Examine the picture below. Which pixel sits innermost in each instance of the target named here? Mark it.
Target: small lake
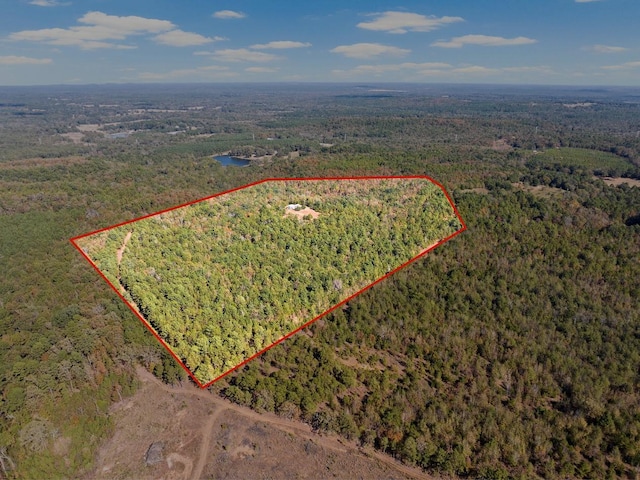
(226, 161)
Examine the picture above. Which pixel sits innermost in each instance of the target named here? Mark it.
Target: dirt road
(297, 428)
(329, 441)
(207, 432)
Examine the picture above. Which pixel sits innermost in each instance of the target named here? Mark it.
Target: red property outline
(400, 267)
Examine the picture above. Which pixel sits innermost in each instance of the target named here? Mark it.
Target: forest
(225, 278)
(512, 351)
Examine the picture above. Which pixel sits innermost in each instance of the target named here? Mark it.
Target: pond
(226, 161)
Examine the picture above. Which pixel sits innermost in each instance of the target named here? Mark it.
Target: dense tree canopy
(222, 279)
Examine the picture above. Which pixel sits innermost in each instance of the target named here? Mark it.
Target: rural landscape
(510, 351)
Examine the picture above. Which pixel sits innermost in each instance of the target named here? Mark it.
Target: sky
(546, 42)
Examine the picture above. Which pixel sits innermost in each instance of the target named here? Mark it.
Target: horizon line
(327, 83)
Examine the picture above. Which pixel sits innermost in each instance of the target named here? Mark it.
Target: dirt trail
(124, 245)
(119, 254)
(331, 442)
(207, 432)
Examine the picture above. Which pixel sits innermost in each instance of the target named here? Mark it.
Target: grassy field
(593, 160)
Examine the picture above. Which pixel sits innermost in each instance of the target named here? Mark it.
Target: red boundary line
(168, 348)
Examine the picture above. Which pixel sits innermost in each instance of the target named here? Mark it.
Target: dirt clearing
(302, 213)
(617, 181)
(204, 436)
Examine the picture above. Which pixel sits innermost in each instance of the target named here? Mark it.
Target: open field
(580, 157)
(617, 181)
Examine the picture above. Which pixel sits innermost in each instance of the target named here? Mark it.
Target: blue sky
(558, 42)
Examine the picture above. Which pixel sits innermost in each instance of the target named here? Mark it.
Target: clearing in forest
(220, 280)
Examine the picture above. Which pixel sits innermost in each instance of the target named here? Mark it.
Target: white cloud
(243, 55)
(431, 72)
(260, 70)
(393, 67)
(98, 30)
(425, 65)
(130, 25)
(606, 49)
(179, 38)
(475, 70)
(101, 27)
(586, 1)
(228, 14)
(14, 60)
(536, 69)
(86, 38)
(48, 3)
(280, 45)
(369, 50)
(114, 46)
(210, 72)
(416, 71)
(403, 22)
(483, 40)
(623, 66)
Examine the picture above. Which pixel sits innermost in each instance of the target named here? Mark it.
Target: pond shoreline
(227, 160)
